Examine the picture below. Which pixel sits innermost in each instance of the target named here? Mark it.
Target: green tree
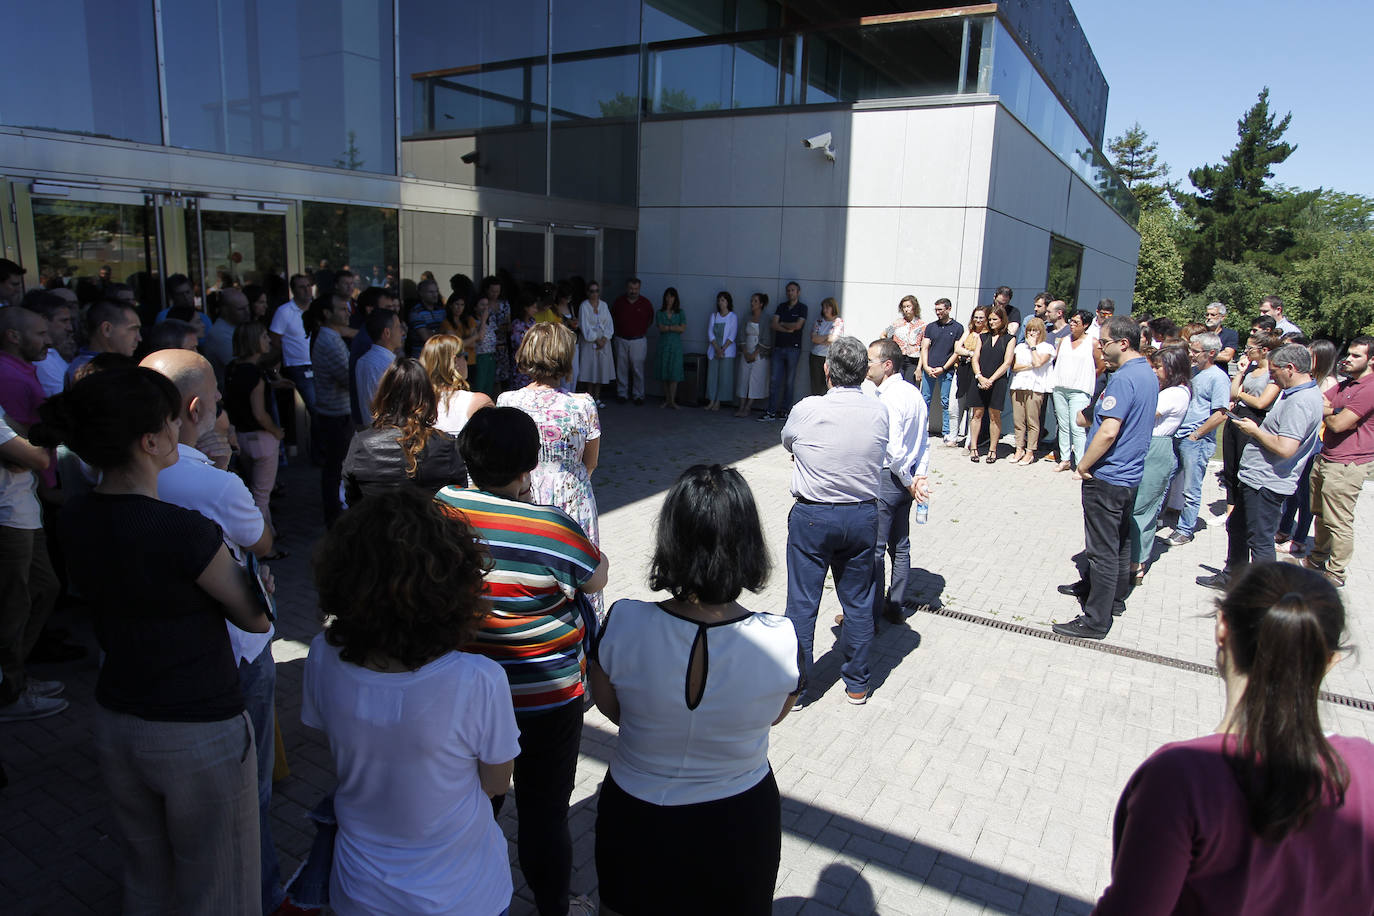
(1237, 214)
(1159, 271)
(1136, 159)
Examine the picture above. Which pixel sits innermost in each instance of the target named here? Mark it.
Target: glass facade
(1064, 270)
(228, 246)
(76, 238)
(83, 66)
(296, 80)
(366, 239)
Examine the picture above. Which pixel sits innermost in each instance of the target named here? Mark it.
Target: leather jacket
(375, 463)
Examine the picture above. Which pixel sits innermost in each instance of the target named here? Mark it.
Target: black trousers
(331, 436)
(1107, 547)
(1251, 526)
(544, 775)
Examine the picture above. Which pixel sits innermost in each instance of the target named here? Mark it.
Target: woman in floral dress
(518, 329)
(569, 429)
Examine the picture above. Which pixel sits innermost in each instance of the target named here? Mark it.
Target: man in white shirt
(288, 332)
(903, 477)
(195, 483)
(1273, 307)
(838, 443)
(388, 334)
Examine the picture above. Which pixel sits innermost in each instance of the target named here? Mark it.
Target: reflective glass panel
(756, 73)
(594, 138)
(618, 262)
(581, 25)
(85, 66)
(665, 20)
(367, 239)
(574, 256)
(1065, 267)
(884, 62)
(297, 80)
(690, 79)
(76, 238)
(520, 253)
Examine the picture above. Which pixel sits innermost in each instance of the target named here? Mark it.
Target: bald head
(195, 381)
(23, 333)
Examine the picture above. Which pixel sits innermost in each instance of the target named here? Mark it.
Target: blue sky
(1187, 71)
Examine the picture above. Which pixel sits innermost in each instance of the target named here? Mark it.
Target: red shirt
(632, 319)
(1182, 842)
(1355, 445)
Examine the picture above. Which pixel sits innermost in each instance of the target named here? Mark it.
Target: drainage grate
(1137, 654)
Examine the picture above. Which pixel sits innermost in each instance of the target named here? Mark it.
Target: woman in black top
(992, 356)
(402, 447)
(247, 398)
(175, 745)
(963, 372)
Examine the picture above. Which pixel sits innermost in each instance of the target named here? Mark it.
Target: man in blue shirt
(1197, 434)
(788, 321)
(1111, 468)
(937, 363)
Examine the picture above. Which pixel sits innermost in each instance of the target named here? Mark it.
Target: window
(1065, 268)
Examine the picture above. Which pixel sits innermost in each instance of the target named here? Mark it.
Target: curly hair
(399, 578)
(405, 400)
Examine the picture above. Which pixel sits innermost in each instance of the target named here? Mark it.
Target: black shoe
(1077, 589)
(1219, 582)
(621, 399)
(639, 402)
(1078, 629)
(892, 613)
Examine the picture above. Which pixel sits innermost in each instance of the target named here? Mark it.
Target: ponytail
(1285, 624)
(103, 415)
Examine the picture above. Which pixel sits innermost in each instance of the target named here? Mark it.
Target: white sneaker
(581, 905)
(44, 688)
(29, 706)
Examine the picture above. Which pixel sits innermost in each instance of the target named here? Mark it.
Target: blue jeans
(1298, 507)
(258, 680)
(784, 372)
(303, 377)
(941, 386)
(839, 538)
(1073, 439)
(1192, 464)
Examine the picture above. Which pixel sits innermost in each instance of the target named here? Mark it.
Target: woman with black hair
(174, 742)
(402, 447)
(671, 324)
(1268, 815)
(694, 682)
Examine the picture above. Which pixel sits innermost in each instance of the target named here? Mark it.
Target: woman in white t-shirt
(1174, 369)
(422, 735)
(1076, 366)
(689, 819)
(444, 360)
(1032, 361)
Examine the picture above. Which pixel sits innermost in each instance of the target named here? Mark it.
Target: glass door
(520, 250)
(94, 242)
(576, 255)
(231, 243)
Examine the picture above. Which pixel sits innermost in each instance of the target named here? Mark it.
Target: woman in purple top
(1268, 815)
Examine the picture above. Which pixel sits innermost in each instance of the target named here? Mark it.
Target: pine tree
(1237, 214)
(1136, 159)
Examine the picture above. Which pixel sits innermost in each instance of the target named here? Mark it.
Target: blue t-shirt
(788, 314)
(1131, 396)
(942, 338)
(1211, 392)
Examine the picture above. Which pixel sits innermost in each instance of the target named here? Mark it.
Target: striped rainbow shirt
(540, 557)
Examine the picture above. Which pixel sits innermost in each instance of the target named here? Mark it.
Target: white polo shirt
(195, 483)
(18, 491)
(295, 345)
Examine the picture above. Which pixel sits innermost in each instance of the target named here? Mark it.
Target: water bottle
(923, 512)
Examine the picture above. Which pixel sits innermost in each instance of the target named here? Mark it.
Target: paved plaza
(981, 777)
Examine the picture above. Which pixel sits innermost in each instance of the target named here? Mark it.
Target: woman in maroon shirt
(1268, 815)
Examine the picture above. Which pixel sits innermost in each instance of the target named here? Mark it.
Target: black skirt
(718, 857)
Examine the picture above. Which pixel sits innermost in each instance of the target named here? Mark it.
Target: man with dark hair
(171, 334)
(1342, 466)
(424, 317)
(1263, 324)
(180, 292)
(903, 477)
(288, 333)
(11, 282)
(1112, 467)
(111, 327)
(386, 329)
(937, 363)
(369, 301)
(543, 565)
(632, 314)
(1271, 465)
(56, 310)
(788, 322)
(1002, 297)
(1272, 307)
(838, 442)
(1106, 309)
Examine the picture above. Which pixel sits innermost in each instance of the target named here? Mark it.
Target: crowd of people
(461, 573)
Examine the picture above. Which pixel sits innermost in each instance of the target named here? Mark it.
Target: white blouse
(1037, 378)
(673, 753)
(1075, 367)
(595, 321)
(731, 322)
(1173, 404)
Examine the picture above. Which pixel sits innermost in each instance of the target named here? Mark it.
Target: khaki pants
(28, 591)
(1025, 413)
(1335, 490)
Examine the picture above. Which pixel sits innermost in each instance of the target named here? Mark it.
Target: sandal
(992, 458)
(973, 456)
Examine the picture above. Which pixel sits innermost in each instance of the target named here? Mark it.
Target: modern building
(560, 138)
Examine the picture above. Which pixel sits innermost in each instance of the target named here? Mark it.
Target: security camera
(470, 158)
(821, 142)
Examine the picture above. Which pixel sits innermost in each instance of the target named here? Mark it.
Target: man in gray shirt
(838, 443)
(1271, 464)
